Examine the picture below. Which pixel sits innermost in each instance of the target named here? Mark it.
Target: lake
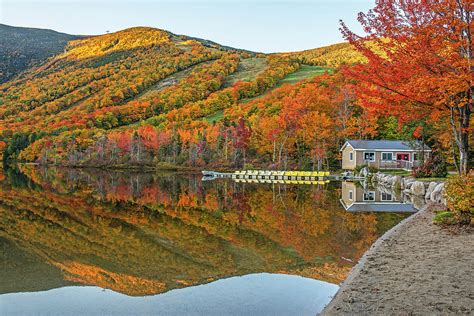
(77, 241)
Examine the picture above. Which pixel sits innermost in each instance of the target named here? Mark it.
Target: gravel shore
(415, 268)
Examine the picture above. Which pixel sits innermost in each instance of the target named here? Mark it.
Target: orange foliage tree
(419, 57)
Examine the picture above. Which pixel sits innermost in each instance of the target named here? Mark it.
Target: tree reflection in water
(146, 233)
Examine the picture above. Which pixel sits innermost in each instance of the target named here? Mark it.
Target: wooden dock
(272, 176)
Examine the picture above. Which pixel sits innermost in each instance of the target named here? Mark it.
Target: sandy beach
(415, 268)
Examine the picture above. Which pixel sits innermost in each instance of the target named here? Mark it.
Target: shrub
(445, 217)
(460, 197)
(432, 167)
(373, 169)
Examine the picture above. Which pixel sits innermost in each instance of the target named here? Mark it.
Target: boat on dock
(277, 176)
(271, 176)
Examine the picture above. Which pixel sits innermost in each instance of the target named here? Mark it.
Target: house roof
(384, 145)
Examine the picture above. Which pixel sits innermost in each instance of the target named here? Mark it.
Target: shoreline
(134, 167)
(415, 267)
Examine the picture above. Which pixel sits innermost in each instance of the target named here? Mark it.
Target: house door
(405, 157)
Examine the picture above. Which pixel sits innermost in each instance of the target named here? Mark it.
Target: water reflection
(253, 294)
(357, 198)
(147, 233)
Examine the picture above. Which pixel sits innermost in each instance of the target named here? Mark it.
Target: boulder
(397, 182)
(364, 172)
(391, 180)
(443, 197)
(407, 182)
(418, 202)
(437, 194)
(375, 177)
(418, 188)
(430, 189)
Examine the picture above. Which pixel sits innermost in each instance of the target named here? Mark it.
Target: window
(369, 196)
(369, 156)
(419, 156)
(385, 196)
(351, 156)
(351, 195)
(387, 156)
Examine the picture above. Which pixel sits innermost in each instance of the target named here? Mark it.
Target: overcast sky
(259, 25)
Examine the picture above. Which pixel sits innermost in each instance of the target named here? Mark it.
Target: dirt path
(416, 268)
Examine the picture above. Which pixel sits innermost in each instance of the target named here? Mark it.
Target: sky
(258, 25)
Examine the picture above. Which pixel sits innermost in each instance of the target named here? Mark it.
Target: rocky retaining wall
(428, 191)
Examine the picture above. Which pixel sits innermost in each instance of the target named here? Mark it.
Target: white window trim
(386, 152)
(351, 195)
(369, 152)
(368, 192)
(385, 200)
(351, 156)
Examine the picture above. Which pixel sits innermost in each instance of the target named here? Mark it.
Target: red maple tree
(419, 63)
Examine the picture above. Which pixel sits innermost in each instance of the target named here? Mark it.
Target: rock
(364, 172)
(430, 189)
(437, 194)
(397, 182)
(418, 202)
(406, 197)
(443, 197)
(418, 188)
(407, 182)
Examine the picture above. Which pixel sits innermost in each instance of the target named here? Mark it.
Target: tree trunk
(455, 157)
(464, 111)
(280, 151)
(461, 134)
(274, 151)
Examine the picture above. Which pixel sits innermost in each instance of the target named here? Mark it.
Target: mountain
(331, 56)
(144, 94)
(21, 48)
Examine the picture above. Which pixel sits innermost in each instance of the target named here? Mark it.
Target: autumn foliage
(419, 65)
(147, 97)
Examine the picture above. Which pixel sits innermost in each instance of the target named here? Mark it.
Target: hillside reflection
(146, 233)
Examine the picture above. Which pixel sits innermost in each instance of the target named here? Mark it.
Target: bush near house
(433, 167)
(460, 199)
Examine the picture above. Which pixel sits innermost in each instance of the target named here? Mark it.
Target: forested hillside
(21, 48)
(332, 56)
(145, 96)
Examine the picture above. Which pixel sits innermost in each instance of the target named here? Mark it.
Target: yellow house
(383, 154)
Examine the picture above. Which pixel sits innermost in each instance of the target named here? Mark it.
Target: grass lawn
(247, 70)
(433, 179)
(305, 72)
(398, 172)
(214, 117)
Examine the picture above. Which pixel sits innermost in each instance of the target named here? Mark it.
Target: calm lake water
(101, 242)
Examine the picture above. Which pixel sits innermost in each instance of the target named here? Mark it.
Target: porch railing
(398, 164)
